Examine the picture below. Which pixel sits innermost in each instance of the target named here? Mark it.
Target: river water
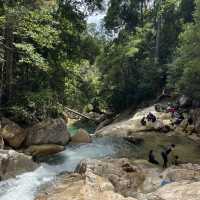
(26, 186)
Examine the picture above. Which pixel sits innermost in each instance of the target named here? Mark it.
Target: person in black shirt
(143, 121)
(151, 117)
(152, 158)
(165, 154)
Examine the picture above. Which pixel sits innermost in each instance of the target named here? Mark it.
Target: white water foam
(25, 186)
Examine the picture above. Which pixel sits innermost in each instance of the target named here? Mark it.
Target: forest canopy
(50, 57)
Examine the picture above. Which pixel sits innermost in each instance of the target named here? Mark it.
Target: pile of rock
(44, 138)
(120, 179)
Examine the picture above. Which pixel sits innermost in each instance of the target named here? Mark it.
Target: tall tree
(184, 73)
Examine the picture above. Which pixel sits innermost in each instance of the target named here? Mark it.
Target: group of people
(150, 118)
(164, 154)
(178, 118)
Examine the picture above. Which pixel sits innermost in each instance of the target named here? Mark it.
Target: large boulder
(178, 182)
(81, 137)
(13, 134)
(133, 126)
(51, 131)
(127, 178)
(75, 187)
(13, 163)
(44, 150)
(182, 172)
(185, 190)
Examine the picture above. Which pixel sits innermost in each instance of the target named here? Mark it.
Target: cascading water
(25, 186)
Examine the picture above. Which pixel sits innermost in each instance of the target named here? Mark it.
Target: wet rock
(12, 133)
(13, 163)
(52, 131)
(81, 137)
(44, 150)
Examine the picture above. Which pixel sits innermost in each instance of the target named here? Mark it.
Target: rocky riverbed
(122, 179)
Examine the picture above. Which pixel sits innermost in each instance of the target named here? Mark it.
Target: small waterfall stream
(26, 186)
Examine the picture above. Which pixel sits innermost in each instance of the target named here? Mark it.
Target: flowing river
(26, 186)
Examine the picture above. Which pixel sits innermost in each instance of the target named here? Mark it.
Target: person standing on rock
(166, 153)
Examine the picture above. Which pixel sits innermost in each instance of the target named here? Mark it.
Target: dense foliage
(135, 65)
(184, 73)
(45, 55)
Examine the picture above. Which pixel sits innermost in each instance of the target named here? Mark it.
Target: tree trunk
(9, 58)
(2, 66)
(158, 32)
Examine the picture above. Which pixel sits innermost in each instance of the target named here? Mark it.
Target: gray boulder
(52, 131)
(13, 163)
(81, 137)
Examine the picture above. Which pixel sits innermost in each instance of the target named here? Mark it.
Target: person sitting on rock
(176, 161)
(152, 158)
(166, 153)
(143, 121)
(151, 117)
